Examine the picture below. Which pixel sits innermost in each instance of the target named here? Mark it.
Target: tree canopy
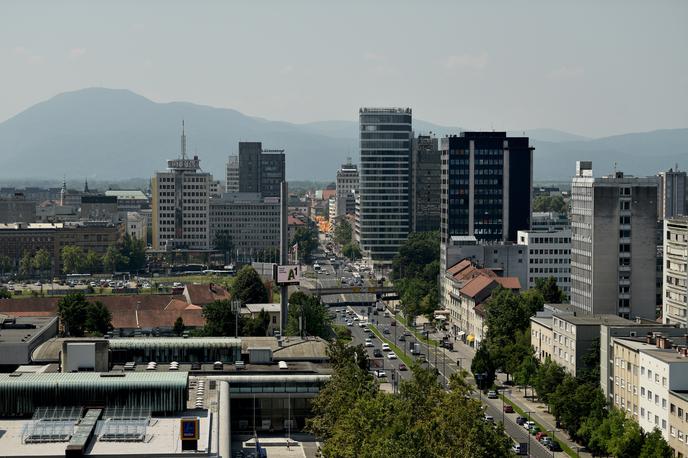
(415, 272)
(550, 204)
(307, 241)
(313, 313)
(550, 291)
(343, 232)
(80, 317)
(248, 287)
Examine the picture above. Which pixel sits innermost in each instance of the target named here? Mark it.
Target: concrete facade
(260, 170)
(549, 255)
(17, 209)
(346, 186)
(232, 174)
(672, 194)
(613, 240)
(675, 271)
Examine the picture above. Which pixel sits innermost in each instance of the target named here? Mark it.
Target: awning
(470, 338)
(440, 317)
(460, 334)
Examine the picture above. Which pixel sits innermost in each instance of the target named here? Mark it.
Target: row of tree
(577, 403)
(80, 317)
(415, 273)
(354, 418)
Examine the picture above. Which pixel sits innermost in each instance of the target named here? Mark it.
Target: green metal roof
(174, 342)
(88, 379)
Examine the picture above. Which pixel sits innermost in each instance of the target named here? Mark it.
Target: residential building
(426, 178)
(613, 241)
(541, 336)
(487, 188)
(507, 259)
(129, 200)
(467, 288)
(216, 188)
(672, 194)
(346, 186)
(17, 209)
(137, 225)
(20, 238)
(550, 221)
(675, 271)
(51, 211)
(181, 197)
(549, 255)
(253, 223)
(383, 218)
(678, 422)
(274, 311)
(260, 170)
(232, 177)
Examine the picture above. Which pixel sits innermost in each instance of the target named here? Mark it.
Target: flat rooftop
(162, 437)
(594, 320)
(20, 334)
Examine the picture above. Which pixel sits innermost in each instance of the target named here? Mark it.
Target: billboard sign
(288, 275)
(189, 428)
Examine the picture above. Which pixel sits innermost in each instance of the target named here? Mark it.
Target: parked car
(521, 420)
(492, 394)
(540, 435)
(528, 424)
(554, 446)
(402, 338)
(507, 408)
(402, 367)
(377, 353)
(379, 373)
(385, 331)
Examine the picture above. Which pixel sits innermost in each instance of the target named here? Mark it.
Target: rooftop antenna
(183, 141)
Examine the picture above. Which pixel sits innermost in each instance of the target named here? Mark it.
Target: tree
(550, 204)
(223, 242)
(418, 251)
(72, 259)
(5, 293)
(352, 251)
(551, 292)
(483, 368)
(625, 438)
(178, 327)
(98, 318)
(132, 254)
(313, 314)
(573, 401)
(5, 264)
(343, 232)
(72, 310)
(548, 377)
(590, 372)
(41, 261)
(525, 374)
(111, 259)
(655, 446)
(220, 320)
(25, 264)
(307, 241)
(256, 326)
(248, 287)
(93, 262)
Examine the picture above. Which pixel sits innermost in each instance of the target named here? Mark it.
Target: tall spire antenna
(183, 141)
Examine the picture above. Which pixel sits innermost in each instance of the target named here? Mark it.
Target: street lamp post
(528, 413)
(236, 307)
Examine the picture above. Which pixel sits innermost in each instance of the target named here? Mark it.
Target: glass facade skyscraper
(383, 215)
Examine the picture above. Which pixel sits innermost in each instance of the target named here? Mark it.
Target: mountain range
(99, 133)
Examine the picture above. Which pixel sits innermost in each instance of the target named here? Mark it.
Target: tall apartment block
(426, 176)
(346, 188)
(383, 215)
(260, 170)
(549, 255)
(180, 203)
(675, 271)
(232, 177)
(672, 194)
(613, 243)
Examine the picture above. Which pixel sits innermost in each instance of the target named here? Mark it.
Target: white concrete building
(549, 255)
(346, 187)
(181, 196)
(675, 271)
(232, 183)
(137, 225)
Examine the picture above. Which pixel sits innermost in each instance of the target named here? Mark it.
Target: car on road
(391, 355)
(369, 343)
(540, 435)
(402, 367)
(521, 420)
(394, 323)
(385, 331)
(377, 353)
(356, 318)
(407, 334)
(528, 424)
(362, 324)
(533, 430)
(489, 418)
(379, 373)
(349, 323)
(520, 449)
(385, 347)
(492, 394)
(507, 408)
(554, 446)
(402, 338)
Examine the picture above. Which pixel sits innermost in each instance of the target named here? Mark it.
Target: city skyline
(560, 62)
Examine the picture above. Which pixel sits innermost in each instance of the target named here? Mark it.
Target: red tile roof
(205, 294)
(459, 266)
(294, 221)
(509, 282)
(476, 286)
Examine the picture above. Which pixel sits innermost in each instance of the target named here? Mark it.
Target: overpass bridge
(383, 292)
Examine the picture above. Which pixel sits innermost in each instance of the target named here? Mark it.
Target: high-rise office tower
(672, 194)
(383, 215)
(260, 170)
(232, 183)
(487, 182)
(613, 243)
(675, 266)
(346, 187)
(426, 178)
(180, 204)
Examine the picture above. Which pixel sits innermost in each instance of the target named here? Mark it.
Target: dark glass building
(487, 181)
(425, 184)
(260, 170)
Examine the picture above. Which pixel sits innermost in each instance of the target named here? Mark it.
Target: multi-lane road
(436, 358)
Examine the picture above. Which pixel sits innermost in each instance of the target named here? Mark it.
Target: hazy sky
(589, 67)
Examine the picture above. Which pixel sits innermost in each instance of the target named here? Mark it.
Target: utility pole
(284, 249)
(236, 307)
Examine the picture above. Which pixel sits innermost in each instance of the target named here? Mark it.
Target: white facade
(347, 186)
(675, 283)
(137, 224)
(549, 255)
